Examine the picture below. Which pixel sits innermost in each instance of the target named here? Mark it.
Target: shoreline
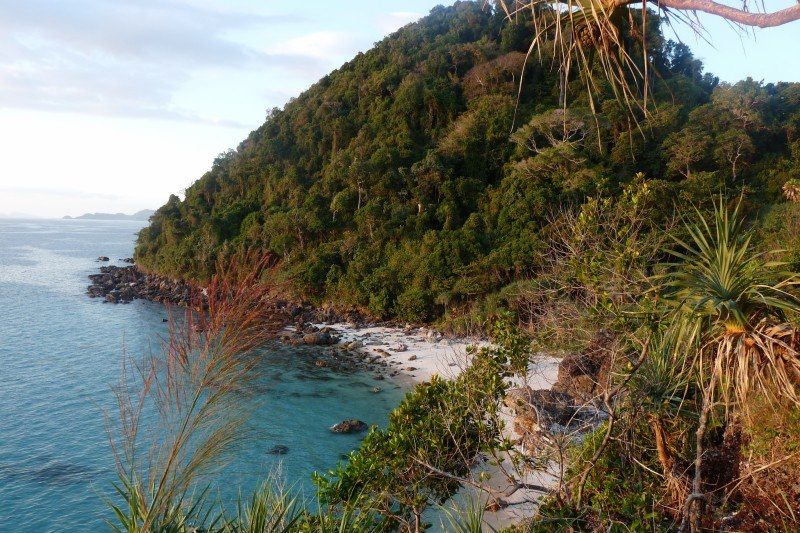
(405, 355)
(415, 353)
(430, 353)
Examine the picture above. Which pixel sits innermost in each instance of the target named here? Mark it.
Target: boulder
(399, 347)
(545, 407)
(585, 376)
(103, 258)
(320, 338)
(349, 426)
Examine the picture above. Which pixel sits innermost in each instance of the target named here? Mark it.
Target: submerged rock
(349, 426)
(280, 449)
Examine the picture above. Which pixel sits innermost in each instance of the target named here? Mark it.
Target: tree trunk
(664, 455)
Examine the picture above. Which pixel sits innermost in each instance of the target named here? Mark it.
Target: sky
(113, 105)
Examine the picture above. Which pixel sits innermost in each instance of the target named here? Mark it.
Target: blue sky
(114, 104)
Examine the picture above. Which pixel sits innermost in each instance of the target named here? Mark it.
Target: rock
(410, 368)
(320, 362)
(544, 406)
(379, 377)
(103, 259)
(412, 358)
(584, 376)
(349, 426)
(399, 347)
(354, 345)
(128, 260)
(320, 338)
(383, 353)
(376, 390)
(126, 284)
(280, 449)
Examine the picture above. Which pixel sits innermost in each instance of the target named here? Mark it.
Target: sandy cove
(417, 354)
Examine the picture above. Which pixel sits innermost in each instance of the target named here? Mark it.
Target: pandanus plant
(730, 328)
(791, 190)
(732, 309)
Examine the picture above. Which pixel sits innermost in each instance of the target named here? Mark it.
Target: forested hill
(395, 184)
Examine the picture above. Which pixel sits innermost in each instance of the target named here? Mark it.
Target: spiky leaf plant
(791, 190)
(467, 518)
(732, 309)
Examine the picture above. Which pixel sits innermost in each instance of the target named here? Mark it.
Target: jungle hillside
(422, 179)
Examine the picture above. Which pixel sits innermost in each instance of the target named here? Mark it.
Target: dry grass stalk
(195, 386)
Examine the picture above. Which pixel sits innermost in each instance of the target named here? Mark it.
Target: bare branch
(739, 16)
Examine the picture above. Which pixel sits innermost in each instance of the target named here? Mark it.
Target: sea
(62, 354)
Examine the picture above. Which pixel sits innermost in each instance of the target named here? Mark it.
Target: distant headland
(144, 214)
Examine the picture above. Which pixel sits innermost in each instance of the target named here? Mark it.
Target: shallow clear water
(60, 353)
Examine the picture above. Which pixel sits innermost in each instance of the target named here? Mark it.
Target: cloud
(125, 57)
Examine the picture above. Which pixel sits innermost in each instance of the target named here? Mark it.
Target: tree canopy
(420, 176)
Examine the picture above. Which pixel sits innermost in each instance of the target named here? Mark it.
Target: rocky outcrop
(350, 426)
(124, 284)
(572, 405)
(320, 338)
(585, 376)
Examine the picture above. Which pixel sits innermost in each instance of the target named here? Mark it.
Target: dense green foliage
(412, 181)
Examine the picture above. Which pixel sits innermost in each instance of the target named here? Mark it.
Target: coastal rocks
(349, 426)
(412, 358)
(320, 338)
(124, 284)
(571, 407)
(102, 259)
(399, 347)
(354, 345)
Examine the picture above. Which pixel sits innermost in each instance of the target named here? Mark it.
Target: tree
(685, 148)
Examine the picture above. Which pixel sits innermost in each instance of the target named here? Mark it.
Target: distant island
(144, 214)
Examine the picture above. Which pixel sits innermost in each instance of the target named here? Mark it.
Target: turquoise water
(60, 353)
